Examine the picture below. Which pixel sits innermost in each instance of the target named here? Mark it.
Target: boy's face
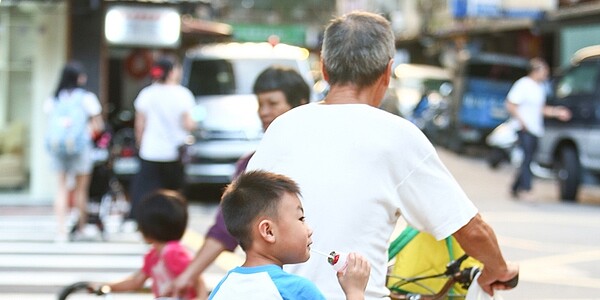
(293, 240)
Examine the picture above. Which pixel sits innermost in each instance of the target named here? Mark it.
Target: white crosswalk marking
(33, 266)
(30, 260)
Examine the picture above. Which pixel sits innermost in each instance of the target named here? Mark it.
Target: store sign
(476, 8)
(532, 9)
(289, 34)
(142, 26)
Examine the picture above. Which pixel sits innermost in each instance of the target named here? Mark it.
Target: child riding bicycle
(162, 220)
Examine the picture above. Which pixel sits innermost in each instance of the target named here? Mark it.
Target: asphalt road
(557, 244)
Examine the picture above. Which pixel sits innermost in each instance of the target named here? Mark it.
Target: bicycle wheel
(77, 290)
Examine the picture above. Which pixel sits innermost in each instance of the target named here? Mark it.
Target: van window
(496, 71)
(211, 77)
(227, 77)
(579, 81)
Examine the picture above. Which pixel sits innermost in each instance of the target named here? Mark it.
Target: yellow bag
(416, 253)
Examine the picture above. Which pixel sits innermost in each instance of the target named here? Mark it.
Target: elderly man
(360, 168)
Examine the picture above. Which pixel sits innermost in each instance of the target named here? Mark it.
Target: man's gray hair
(357, 48)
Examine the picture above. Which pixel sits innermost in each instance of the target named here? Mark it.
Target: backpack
(68, 128)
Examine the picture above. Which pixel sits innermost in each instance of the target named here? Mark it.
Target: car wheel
(568, 173)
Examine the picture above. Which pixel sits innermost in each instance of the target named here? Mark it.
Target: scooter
(504, 147)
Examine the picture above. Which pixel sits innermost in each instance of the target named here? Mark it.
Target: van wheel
(568, 173)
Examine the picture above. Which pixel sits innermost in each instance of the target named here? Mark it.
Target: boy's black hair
(285, 79)
(163, 216)
(253, 194)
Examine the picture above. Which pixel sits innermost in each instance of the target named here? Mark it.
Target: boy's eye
(302, 219)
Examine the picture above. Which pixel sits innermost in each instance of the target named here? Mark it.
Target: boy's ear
(266, 230)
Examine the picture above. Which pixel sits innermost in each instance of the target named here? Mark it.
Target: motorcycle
(125, 162)
(504, 147)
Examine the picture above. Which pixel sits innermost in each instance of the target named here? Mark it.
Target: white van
(221, 77)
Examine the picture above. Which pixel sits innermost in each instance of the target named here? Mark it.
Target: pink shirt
(163, 267)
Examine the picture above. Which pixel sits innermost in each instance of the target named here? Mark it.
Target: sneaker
(129, 226)
(61, 238)
(527, 196)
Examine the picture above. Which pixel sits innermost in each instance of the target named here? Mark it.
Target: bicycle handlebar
(455, 275)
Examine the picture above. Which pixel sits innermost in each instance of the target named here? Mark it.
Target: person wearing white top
(360, 168)
(526, 103)
(162, 121)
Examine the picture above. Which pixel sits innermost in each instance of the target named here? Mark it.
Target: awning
(200, 27)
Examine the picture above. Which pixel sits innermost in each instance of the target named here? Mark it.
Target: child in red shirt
(162, 220)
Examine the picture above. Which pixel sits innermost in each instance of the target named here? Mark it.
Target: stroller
(107, 201)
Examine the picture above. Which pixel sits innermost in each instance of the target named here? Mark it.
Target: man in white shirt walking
(526, 103)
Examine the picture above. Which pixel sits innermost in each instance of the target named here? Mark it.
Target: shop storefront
(33, 39)
(116, 41)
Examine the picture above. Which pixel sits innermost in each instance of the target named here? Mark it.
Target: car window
(578, 81)
(211, 77)
(226, 77)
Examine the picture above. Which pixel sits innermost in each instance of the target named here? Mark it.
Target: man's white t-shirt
(163, 106)
(359, 168)
(530, 98)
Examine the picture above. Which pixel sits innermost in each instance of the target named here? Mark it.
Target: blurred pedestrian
(360, 168)
(526, 103)
(74, 117)
(278, 90)
(162, 122)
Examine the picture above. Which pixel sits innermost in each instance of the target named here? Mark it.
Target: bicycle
(453, 274)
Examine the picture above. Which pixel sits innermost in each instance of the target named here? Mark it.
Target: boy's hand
(356, 276)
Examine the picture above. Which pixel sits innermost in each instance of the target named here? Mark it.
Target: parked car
(221, 77)
(571, 148)
(478, 94)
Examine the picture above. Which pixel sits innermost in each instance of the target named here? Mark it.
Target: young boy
(162, 220)
(263, 211)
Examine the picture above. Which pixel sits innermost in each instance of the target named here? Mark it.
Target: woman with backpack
(74, 116)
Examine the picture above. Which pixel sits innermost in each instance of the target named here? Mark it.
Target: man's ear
(266, 230)
(388, 72)
(324, 72)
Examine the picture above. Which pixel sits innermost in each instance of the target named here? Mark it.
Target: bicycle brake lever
(512, 283)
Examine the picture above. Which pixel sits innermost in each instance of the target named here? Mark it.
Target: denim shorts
(78, 164)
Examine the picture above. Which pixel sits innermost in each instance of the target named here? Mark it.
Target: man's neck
(351, 94)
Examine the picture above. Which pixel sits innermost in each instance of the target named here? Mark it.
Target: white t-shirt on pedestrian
(359, 168)
(90, 102)
(530, 98)
(163, 106)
